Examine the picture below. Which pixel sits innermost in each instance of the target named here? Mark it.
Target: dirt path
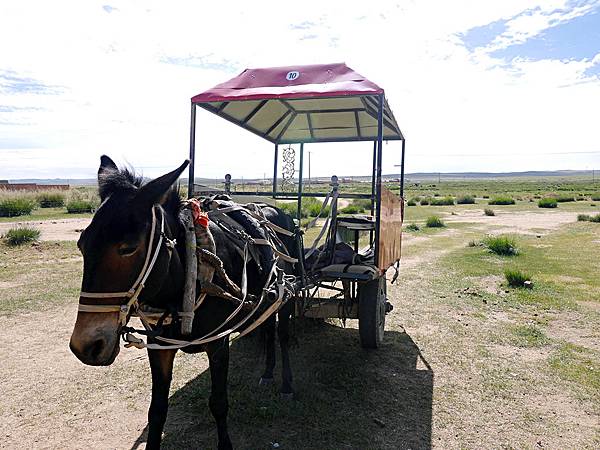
(52, 230)
(517, 222)
(437, 382)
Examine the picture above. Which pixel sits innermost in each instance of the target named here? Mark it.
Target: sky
(486, 85)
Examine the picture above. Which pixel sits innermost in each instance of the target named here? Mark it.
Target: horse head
(128, 257)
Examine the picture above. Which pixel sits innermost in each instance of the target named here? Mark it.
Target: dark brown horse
(115, 249)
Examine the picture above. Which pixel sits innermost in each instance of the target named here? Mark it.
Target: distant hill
(417, 176)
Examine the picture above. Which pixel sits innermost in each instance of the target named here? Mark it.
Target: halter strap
(136, 289)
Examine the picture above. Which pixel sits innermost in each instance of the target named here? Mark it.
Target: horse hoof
(286, 396)
(265, 381)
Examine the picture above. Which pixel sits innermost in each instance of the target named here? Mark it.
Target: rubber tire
(371, 312)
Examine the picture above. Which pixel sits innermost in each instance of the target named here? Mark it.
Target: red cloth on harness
(200, 217)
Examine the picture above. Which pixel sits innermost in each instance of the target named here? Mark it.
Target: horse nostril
(96, 348)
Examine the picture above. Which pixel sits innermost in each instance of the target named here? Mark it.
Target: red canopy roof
(318, 103)
(319, 80)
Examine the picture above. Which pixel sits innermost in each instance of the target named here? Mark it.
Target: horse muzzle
(95, 338)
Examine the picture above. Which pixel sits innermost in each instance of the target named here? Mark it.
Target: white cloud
(128, 75)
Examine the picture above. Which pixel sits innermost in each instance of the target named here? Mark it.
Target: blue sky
(488, 86)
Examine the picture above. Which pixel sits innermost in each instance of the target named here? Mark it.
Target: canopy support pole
(373, 175)
(192, 151)
(300, 170)
(402, 170)
(378, 177)
(275, 171)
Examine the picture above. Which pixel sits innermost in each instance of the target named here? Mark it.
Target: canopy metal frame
(374, 105)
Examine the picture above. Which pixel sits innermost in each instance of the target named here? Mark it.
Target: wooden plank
(390, 237)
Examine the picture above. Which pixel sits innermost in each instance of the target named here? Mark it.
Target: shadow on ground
(347, 397)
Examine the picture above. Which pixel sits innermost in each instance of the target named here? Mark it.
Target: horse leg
(218, 356)
(161, 366)
(283, 331)
(269, 334)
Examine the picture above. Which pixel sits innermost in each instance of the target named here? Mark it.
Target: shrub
(489, 212)
(425, 201)
(291, 209)
(21, 235)
(413, 227)
(313, 209)
(584, 218)
(501, 200)
(14, 205)
(350, 209)
(82, 201)
(565, 198)
(434, 222)
(516, 278)
(411, 203)
(362, 203)
(442, 201)
(548, 202)
(595, 218)
(50, 199)
(501, 245)
(596, 197)
(465, 200)
(486, 196)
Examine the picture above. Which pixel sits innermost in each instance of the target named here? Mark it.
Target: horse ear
(106, 164)
(152, 193)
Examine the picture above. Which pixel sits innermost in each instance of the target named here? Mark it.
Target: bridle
(134, 292)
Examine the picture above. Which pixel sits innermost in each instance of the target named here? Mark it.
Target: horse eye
(126, 250)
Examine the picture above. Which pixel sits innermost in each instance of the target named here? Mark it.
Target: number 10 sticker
(293, 75)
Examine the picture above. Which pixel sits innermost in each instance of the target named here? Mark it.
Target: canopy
(300, 104)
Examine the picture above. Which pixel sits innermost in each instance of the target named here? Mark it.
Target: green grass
(564, 198)
(501, 200)
(352, 209)
(21, 235)
(584, 218)
(80, 206)
(547, 202)
(434, 222)
(16, 206)
(516, 278)
(50, 199)
(413, 227)
(465, 200)
(442, 201)
(528, 336)
(578, 365)
(501, 245)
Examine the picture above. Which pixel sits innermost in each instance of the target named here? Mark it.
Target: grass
(528, 336)
(465, 200)
(516, 278)
(50, 199)
(489, 212)
(21, 235)
(578, 365)
(80, 206)
(565, 198)
(588, 218)
(413, 227)
(434, 222)
(442, 201)
(502, 245)
(13, 206)
(548, 202)
(501, 200)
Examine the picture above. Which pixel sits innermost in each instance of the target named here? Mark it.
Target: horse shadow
(346, 397)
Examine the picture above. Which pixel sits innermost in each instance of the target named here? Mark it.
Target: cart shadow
(347, 397)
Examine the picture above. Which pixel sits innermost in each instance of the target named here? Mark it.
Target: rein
(134, 292)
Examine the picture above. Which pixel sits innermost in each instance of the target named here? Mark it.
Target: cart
(302, 105)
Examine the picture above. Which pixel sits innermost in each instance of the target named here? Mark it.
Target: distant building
(31, 186)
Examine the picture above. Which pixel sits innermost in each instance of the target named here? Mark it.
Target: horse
(116, 247)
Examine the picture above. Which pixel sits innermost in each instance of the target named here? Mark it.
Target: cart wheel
(371, 312)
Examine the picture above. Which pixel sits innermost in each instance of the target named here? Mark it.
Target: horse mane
(128, 181)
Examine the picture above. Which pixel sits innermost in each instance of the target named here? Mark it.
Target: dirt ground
(437, 381)
(53, 230)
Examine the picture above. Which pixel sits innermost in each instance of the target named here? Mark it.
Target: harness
(277, 285)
